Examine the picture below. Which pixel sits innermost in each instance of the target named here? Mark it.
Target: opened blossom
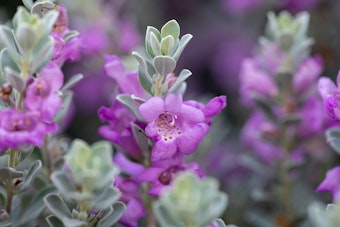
(330, 95)
(331, 183)
(42, 93)
(173, 125)
(162, 173)
(20, 129)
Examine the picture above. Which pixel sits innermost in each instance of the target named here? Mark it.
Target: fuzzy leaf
(185, 74)
(171, 28)
(59, 208)
(182, 44)
(66, 104)
(41, 8)
(110, 220)
(70, 35)
(28, 3)
(164, 65)
(50, 18)
(164, 217)
(63, 182)
(7, 38)
(155, 46)
(30, 175)
(26, 37)
(128, 102)
(107, 198)
(167, 44)
(139, 136)
(42, 53)
(9, 173)
(6, 60)
(72, 81)
(53, 221)
(157, 34)
(333, 138)
(34, 208)
(14, 79)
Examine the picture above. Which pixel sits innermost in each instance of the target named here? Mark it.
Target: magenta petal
(326, 87)
(331, 183)
(152, 108)
(192, 137)
(214, 106)
(150, 175)
(191, 114)
(163, 150)
(173, 103)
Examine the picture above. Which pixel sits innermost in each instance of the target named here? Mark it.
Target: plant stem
(9, 184)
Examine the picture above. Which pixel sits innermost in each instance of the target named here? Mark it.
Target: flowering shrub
(157, 138)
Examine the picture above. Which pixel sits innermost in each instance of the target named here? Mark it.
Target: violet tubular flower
(173, 125)
(42, 93)
(331, 183)
(19, 129)
(330, 95)
(163, 172)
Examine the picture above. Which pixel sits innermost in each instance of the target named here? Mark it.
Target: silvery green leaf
(41, 8)
(9, 173)
(171, 28)
(156, 33)
(72, 81)
(30, 175)
(34, 207)
(70, 35)
(142, 65)
(164, 65)
(167, 44)
(137, 99)
(164, 217)
(50, 18)
(60, 210)
(107, 198)
(182, 44)
(66, 100)
(14, 79)
(128, 102)
(53, 221)
(144, 81)
(333, 138)
(28, 3)
(42, 53)
(140, 137)
(185, 74)
(118, 211)
(6, 36)
(63, 182)
(318, 216)
(25, 37)
(155, 46)
(6, 60)
(220, 222)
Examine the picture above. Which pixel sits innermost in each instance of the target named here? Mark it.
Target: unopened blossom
(255, 82)
(19, 128)
(163, 172)
(330, 95)
(129, 187)
(173, 125)
(42, 93)
(331, 183)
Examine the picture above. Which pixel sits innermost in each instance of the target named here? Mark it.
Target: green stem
(9, 184)
(47, 158)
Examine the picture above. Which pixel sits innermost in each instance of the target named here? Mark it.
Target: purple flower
(119, 118)
(162, 173)
(260, 135)
(42, 93)
(330, 95)
(173, 125)
(19, 129)
(331, 183)
(129, 187)
(255, 82)
(307, 73)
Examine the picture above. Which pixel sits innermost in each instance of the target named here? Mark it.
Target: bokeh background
(225, 32)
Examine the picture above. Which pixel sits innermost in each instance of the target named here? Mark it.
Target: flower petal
(152, 108)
